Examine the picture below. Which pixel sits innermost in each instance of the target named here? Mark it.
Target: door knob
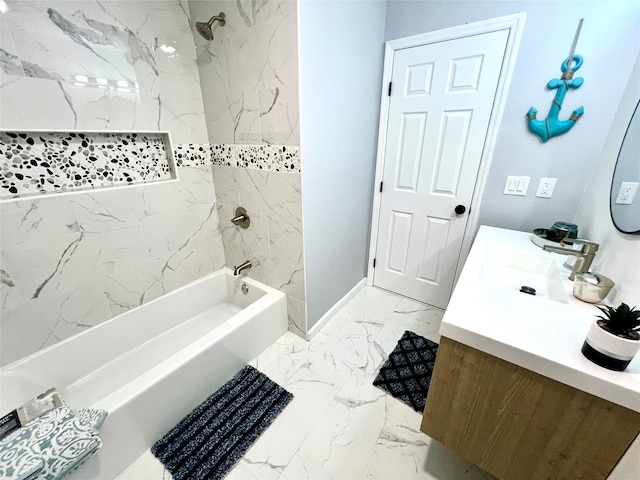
(460, 209)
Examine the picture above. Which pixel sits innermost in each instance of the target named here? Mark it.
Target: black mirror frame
(611, 197)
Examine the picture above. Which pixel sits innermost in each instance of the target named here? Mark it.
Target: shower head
(205, 30)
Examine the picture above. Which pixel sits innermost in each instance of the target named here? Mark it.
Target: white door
(441, 100)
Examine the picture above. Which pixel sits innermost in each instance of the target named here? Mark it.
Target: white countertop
(535, 333)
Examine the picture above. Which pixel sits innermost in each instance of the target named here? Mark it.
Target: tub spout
(244, 266)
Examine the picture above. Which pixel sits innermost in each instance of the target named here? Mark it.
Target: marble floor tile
(339, 426)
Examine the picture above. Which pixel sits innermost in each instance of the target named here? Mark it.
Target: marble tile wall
(249, 78)
(71, 261)
(94, 65)
(249, 71)
(273, 241)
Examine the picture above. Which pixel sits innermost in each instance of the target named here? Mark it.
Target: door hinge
(389, 91)
(381, 186)
(374, 263)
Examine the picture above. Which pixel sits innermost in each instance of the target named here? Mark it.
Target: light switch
(516, 185)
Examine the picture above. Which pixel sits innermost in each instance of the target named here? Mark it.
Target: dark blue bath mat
(407, 372)
(208, 442)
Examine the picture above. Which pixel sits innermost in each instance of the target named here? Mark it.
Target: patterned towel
(51, 446)
(209, 441)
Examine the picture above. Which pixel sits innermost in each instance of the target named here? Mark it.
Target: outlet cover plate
(627, 193)
(516, 185)
(546, 187)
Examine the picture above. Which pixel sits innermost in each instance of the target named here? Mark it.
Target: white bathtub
(152, 365)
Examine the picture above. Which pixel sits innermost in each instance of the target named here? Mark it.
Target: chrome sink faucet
(244, 266)
(584, 256)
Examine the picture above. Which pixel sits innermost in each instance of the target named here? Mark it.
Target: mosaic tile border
(192, 154)
(37, 162)
(279, 158)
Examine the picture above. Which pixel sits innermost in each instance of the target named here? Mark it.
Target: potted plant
(614, 338)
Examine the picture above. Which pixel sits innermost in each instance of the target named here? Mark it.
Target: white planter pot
(608, 350)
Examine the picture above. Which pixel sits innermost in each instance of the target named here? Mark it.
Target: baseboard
(332, 311)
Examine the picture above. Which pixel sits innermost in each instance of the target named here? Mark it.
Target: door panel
(400, 232)
(411, 139)
(438, 119)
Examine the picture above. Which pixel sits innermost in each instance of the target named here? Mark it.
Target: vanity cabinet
(517, 424)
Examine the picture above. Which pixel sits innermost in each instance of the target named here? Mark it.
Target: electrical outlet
(627, 193)
(546, 187)
(516, 185)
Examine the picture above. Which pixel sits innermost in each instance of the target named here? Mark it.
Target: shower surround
(249, 78)
(71, 261)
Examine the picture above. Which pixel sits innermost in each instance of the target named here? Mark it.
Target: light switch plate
(516, 185)
(546, 187)
(627, 193)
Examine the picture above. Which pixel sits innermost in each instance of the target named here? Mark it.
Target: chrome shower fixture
(204, 29)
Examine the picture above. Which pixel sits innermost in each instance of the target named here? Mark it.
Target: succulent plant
(622, 321)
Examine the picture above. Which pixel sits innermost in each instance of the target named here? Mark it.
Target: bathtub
(152, 365)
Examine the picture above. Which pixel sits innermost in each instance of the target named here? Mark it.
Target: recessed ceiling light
(82, 78)
(123, 83)
(102, 81)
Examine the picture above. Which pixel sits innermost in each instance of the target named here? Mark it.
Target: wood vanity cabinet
(517, 424)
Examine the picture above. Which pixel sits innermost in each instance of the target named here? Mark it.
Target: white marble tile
(28, 220)
(10, 296)
(282, 274)
(279, 38)
(196, 185)
(172, 231)
(9, 62)
(233, 118)
(144, 282)
(48, 267)
(285, 238)
(108, 210)
(283, 358)
(162, 197)
(226, 185)
(277, 194)
(297, 315)
(49, 107)
(343, 441)
(44, 321)
(118, 41)
(265, 10)
(279, 115)
(131, 288)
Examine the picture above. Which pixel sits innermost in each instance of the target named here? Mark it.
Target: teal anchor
(552, 126)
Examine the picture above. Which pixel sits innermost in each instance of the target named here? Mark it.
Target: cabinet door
(517, 424)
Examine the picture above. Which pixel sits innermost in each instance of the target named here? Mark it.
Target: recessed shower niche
(44, 162)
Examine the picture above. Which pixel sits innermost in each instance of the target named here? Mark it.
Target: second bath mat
(407, 372)
(208, 442)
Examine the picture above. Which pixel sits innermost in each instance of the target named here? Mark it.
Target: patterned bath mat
(407, 372)
(209, 441)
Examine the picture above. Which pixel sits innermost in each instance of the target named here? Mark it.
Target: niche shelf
(36, 162)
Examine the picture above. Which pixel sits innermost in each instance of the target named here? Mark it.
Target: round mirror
(624, 202)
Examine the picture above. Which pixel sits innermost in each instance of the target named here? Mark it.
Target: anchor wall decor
(553, 126)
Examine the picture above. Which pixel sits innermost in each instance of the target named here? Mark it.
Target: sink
(511, 269)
